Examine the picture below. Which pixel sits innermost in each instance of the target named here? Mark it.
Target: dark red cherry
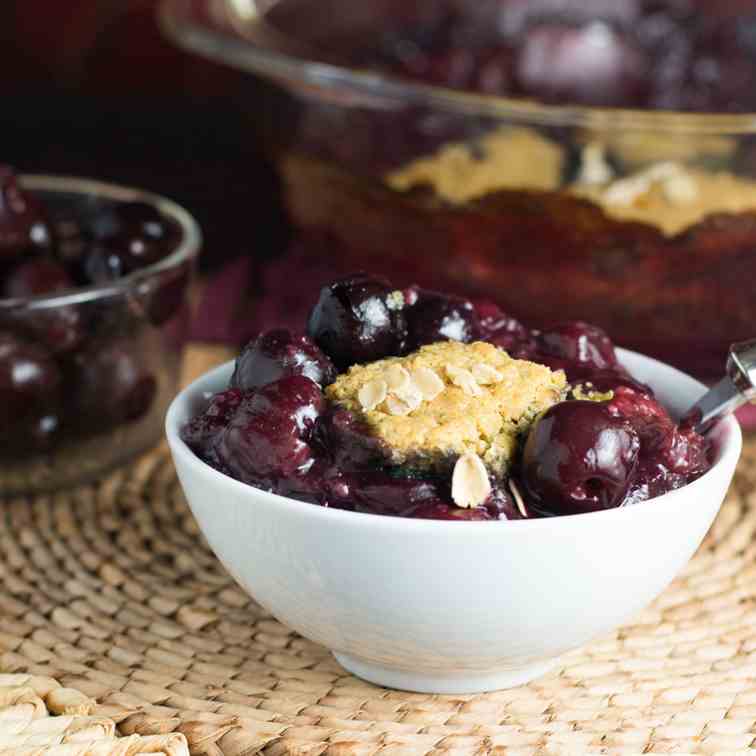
(42, 431)
(641, 410)
(103, 265)
(267, 438)
(679, 450)
(609, 379)
(441, 317)
(36, 277)
(60, 327)
(499, 506)
(686, 453)
(23, 225)
(578, 457)
(346, 439)
(202, 431)
(277, 354)
(358, 319)
(129, 236)
(29, 381)
(71, 246)
(579, 343)
(379, 492)
(498, 327)
(493, 319)
(589, 64)
(111, 383)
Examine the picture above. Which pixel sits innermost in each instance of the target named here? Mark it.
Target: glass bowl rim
(178, 22)
(187, 249)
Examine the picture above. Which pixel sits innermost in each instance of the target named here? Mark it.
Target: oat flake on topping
(449, 421)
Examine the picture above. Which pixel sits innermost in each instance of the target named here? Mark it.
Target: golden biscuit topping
(449, 399)
(507, 158)
(668, 194)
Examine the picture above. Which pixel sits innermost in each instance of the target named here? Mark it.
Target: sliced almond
(470, 483)
(428, 382)
(485, 374)
(396, 378)
(397, 406)
(680, 189)
(409, 393)
(625, 191)
(372, 394)
(517, 496)
(464, 379)
(594, 168)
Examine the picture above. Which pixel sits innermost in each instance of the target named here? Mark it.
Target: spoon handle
(735, 389)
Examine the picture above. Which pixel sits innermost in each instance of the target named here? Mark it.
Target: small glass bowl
(113, 351)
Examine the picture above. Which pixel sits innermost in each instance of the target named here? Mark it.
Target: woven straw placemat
(111, 591)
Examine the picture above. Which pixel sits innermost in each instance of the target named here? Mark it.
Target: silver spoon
(735, 389)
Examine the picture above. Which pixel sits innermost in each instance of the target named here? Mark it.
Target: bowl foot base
(462, 682)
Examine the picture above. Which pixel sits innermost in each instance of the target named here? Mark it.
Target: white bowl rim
(730, 440)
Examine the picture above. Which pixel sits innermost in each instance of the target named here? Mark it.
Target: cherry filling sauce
(609, 444)
(658, 54)
(72, 369)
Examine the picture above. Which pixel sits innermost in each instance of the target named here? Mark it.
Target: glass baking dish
(641, 221)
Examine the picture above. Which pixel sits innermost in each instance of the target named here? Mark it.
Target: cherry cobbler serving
(421, 404)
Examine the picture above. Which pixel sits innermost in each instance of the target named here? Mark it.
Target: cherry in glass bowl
(91, 338)
(452, 606)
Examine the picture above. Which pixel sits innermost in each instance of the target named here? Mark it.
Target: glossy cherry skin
(41, 431)
(59, 327)
(347, 442)
(130, 236)
(277, 354)
(441, 317)
(23, 225)
(357, 320)
(605, 380)
(267, 438)
(499, 328)
(379, 492)
(29, 378)
(578, 458)
(665, 446)
(590, 64)
(670, 456)
(498, 506)
(35, 277)
(578, 343)
(202, 431)
(29, 381)
(71, 246)
(111, 383)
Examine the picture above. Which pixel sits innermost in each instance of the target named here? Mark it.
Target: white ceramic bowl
(451, 607)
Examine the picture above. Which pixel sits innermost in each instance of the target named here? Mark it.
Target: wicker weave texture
(111, 591)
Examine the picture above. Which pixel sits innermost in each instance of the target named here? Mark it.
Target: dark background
(92, 88)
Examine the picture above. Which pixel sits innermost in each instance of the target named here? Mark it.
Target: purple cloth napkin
(242, 299)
